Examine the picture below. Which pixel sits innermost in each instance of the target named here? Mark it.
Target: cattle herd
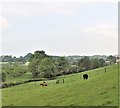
(85, 76)
(44, 84)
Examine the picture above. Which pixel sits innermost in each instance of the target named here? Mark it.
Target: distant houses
(117, 61)
(108, 62)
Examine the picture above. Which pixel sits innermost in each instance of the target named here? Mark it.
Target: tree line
(42, 65)
(45, 66)
(10, 58)
(12, 70)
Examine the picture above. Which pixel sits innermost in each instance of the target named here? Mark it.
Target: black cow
(85, 76)
(105, 69)
(57, 82)
(63, 81)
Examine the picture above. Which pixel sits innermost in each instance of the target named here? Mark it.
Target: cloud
(43, 7)
(3, 24)
(105, 30)
(39, 8)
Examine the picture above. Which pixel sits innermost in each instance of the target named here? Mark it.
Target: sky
(59, 27)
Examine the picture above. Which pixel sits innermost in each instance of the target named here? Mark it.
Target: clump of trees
(85, 63)
(47, 68)
(112, 59)
(42, 65)
(12, 70)
(63, 66)
(9, 58)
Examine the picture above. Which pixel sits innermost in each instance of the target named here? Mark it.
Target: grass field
(23, 77)
(101, 89)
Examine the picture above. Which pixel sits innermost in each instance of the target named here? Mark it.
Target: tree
(95, 63)
(28, 56)
(63, 65)
(47, 68)
(73, 69)
(38, 55)
(6, 58)
(112, 59)
(84, 63)
(102, 62)
(22, 59)
(33, 67)
(35, 61)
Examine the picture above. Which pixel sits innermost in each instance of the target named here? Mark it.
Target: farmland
(101, 89)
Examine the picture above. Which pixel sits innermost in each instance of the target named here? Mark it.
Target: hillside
(101, 89)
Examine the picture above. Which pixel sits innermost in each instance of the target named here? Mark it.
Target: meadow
(101, 89)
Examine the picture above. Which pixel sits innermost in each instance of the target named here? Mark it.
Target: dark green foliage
(102, 62)
(87, 64)
(33, 67)
(6, 85)
(73, 69)
(48, 68)
(14, 69)
(22, 59)
(38, 55)
(9, 58)
(63, 66)
(112, 59)
(3, 77)
(84, 64)
(95, 63)
(35, 62)
(43, 66)
(6, 58)
(28, 56)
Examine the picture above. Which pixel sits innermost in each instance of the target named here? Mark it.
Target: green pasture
(101, 89)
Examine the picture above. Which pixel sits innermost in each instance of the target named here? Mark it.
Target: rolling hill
(101, 89)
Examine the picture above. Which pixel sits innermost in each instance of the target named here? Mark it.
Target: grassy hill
(101, 89)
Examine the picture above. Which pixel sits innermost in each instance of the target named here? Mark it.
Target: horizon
(61, 55)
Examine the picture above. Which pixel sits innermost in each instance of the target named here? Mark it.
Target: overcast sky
(59, 28)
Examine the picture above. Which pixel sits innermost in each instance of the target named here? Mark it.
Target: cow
(44, 84)
(105, 69)
(57, 82)
(63, 81)
(41, 84)
(85, 76)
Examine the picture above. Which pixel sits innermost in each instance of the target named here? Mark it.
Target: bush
(5, 85)
(3, 77)
(14, 70)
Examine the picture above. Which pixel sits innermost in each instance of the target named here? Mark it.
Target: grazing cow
(57, 82)
(63, 81)
(41, 84)
(44, 84)
(85, 76)
(105, 69)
